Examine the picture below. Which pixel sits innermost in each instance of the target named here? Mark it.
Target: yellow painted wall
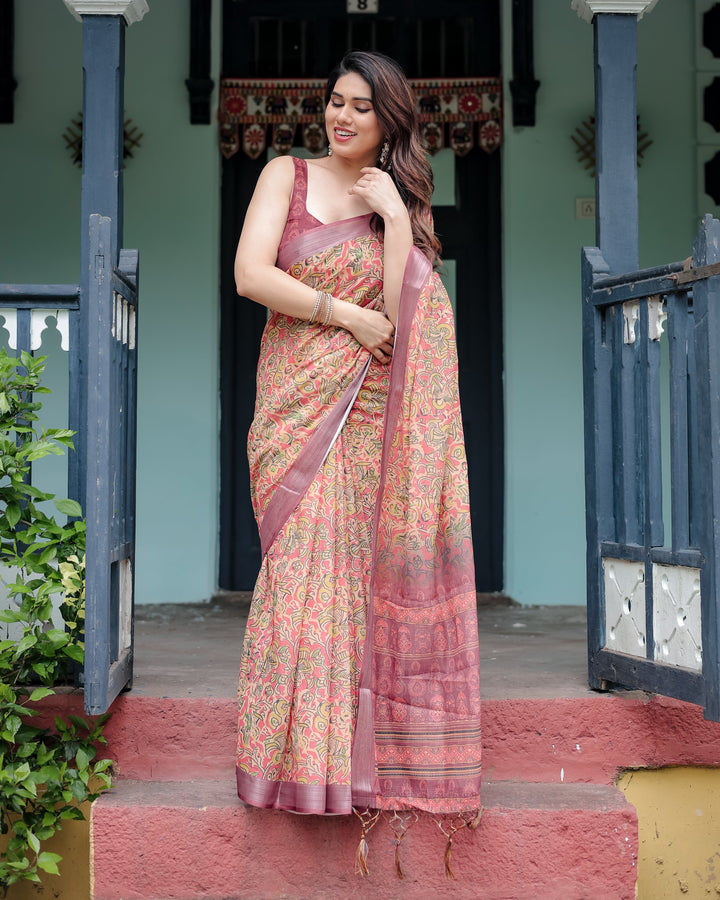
(73, 883)
(679, 831)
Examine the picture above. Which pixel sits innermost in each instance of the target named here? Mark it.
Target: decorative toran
(453, 112)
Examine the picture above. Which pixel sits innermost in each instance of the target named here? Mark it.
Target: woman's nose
(344, 113)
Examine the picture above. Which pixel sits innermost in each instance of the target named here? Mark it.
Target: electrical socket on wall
(585, 208)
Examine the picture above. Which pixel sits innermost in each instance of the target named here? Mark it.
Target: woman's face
(352, 127)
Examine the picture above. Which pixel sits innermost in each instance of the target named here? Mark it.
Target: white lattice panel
(677, 616)
(624, 606)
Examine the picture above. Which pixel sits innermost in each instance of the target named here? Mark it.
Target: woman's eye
(335, 103)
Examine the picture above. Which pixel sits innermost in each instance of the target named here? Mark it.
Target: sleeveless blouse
(299, 219)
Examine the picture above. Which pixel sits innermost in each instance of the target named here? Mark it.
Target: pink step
(194, 841)
(582, 739)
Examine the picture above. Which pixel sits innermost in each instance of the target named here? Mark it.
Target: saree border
(310, 799)
(321, 237)
(299, 476)
(363, 775)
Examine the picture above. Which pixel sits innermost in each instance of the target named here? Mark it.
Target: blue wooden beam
(616, 140)
(102, 194)
(706, 300)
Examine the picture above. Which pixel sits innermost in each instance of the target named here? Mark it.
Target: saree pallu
(359, 683)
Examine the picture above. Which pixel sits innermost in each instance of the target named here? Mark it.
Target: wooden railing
(652, 603)
(102, 410)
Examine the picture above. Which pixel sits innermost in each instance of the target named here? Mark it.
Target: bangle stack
(323, 309)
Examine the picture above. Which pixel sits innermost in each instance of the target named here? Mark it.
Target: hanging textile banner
(453, 112)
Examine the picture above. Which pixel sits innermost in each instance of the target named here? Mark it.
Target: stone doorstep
(194, 840)
(586, 739)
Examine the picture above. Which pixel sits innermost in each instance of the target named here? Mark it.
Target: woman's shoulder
(277, 178)
(280, 167)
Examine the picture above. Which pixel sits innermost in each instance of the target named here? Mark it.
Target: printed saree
(359, 684)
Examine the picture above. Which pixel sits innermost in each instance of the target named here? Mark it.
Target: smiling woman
(359, 686)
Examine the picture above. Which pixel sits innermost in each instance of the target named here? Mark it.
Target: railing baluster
(694, 484)
(678, 335)
(625, 474)
(650, 459)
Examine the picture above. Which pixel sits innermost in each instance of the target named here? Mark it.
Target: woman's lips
(342, 135)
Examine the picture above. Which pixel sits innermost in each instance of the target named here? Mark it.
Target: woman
(359, 679)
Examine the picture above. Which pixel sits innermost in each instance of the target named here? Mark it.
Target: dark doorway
(281, 39)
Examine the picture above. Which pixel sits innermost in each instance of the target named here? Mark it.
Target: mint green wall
(172, 216)
(545, 519)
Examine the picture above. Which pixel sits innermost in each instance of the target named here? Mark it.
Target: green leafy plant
(44, 774)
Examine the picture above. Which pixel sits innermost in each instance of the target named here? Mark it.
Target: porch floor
(193, 650)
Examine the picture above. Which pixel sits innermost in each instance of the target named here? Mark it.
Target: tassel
(361, 858)
(450, 825)
(398, 867)
(448, 868)
(368, 818)
(400, 824)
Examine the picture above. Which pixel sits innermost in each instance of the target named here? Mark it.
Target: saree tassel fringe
(368, 818)
(450, 825)
(400, 825)
(448, 868)
(361, 858)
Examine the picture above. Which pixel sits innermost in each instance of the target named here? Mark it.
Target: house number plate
(362, 6)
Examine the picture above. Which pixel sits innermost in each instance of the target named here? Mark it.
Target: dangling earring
(329, 153)
(384, 153)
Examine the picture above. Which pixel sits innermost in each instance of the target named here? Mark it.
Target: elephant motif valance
(454, 112)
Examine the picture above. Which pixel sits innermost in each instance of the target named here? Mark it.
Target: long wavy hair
(407, 163)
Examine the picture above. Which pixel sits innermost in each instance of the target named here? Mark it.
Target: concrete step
(195, 841)
(581, 739)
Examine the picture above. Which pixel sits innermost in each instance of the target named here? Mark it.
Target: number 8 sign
(362, 6)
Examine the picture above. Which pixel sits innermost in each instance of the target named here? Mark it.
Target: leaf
(48, 862)
(33, 841)
(22, 772)
(12, 513)
(28, 641)
(74, 651)
(69, 507)
(48, 553)
(10, 615)
(12, 723)
(39, 693)
(82, 759)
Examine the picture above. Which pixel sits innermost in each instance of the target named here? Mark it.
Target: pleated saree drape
(359, 680)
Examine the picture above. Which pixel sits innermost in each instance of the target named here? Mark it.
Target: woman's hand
(370, 328)
(380, 193)
(378, 190)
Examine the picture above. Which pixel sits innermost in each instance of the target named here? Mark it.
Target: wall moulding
(131, 10)
(586, 9)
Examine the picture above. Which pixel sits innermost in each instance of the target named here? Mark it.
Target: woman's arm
(378, 190)
(257, 276)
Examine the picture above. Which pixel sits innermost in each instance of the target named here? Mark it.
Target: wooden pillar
(101, 472)
(616, 195)
(104, 23)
